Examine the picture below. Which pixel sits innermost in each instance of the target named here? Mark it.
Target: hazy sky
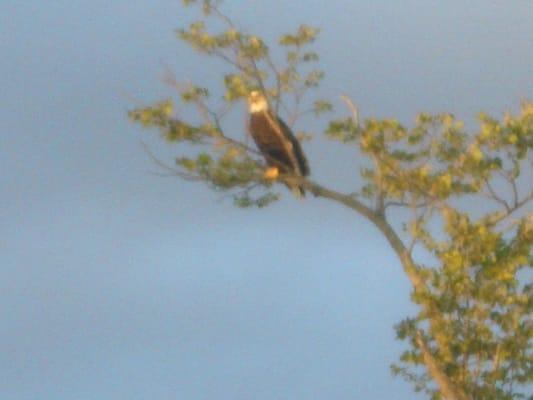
(118, 284)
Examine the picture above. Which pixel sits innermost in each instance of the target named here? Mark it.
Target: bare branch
(277, 74)
(492, 195)
(353, 108)
(510, 211)
(378, 220)
(171, 171)
(515, 191)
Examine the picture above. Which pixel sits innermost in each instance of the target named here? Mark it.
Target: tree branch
(171, 171)
(378, 220)
(447, 388)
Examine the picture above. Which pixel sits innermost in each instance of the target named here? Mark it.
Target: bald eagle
(275, 140)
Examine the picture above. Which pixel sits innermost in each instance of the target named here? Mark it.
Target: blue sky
(115, 283)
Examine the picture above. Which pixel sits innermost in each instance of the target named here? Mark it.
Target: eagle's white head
(257, 102)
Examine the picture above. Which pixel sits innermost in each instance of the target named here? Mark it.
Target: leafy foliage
(461, 199)
(475, 309)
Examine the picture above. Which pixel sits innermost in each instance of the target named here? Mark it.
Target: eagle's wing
(296, 147)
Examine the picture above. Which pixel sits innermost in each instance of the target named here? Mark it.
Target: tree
(470, 271)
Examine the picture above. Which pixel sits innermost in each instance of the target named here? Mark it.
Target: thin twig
(492, 195)
(353, 108)
(172, 171)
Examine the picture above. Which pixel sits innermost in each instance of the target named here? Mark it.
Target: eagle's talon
(271, 173)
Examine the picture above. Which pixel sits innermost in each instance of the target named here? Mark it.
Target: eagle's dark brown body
(281, 149)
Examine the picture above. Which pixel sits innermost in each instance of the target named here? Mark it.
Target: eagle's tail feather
(297, 191)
